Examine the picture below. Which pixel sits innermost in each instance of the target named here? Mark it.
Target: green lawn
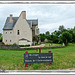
(53, 44)
(63, 58)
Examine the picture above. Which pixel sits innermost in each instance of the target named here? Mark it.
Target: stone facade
(8, 36)
(21, 33)
(24, 30)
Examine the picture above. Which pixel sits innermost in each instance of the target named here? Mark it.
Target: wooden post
(49, 45)
(39, 50)
(26, 65)
(50, 52)
(36, 49)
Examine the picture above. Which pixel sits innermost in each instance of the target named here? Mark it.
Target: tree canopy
(59, 36)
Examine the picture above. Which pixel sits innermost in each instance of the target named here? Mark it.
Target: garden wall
(9, 47)
(27, 48)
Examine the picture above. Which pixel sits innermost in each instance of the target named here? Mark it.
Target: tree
(54, 33)
(55, 38)
(0, 34)
(66, 37)
(0, 37)
(36, 38)
(42, 37)
(47, 35)
(61, 28)
(72, 31)
(73, 36)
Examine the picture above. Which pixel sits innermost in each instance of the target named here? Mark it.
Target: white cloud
(50, 17)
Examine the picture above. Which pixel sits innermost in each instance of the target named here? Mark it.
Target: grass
(47, 44)
(63, 58)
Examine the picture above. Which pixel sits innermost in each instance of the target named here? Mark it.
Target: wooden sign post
(26, 65)
(50, 52)
(39, 50)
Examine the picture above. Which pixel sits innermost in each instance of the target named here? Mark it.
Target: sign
(38, 57)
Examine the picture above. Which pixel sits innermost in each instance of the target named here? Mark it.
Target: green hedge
(24, 45)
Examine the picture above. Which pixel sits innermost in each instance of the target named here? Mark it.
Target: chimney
(10, 19)
(24, 14)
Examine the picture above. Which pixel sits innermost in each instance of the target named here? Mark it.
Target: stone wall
(27, 48)
(9, 47)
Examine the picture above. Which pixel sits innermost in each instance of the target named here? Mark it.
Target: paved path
(42, 45)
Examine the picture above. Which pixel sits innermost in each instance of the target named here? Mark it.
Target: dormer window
(18, 32)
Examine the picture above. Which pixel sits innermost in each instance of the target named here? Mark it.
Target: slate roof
(32, 22)
(9, 26)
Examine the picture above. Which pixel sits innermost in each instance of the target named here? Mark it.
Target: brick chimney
(10, 19)
(24, 14)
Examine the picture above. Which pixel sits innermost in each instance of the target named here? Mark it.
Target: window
(6, 32)
(10, 40)
(6, 40)
(10, 32)
(18, 32)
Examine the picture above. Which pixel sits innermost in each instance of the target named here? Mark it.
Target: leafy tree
(47, 35)
(0, 34)
(54, 33)
(61, 28)
(73, 36)
(72, 31)
(0, 37)
(35, 38)
(42, 37)
(55, 39)
(66, 37)
(58, 33)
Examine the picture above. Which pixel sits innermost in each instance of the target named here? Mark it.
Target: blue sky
(50, 16)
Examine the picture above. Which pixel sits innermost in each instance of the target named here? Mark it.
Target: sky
(50, 16)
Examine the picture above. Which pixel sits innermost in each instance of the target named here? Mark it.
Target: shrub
(24, 45)
(15, 44)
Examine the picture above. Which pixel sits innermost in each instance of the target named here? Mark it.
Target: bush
(15, 44)
(24, 45)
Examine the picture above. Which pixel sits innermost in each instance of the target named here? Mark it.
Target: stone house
(19, 30)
